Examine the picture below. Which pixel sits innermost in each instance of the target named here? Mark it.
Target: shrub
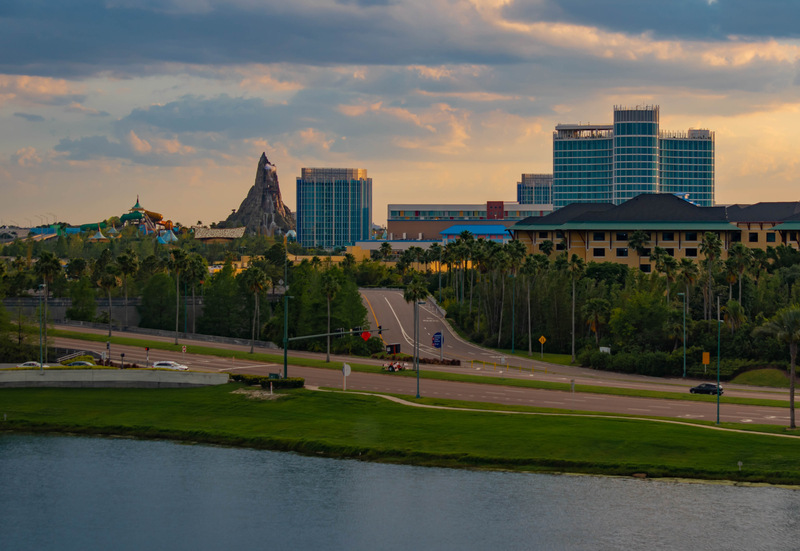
(84, 358)
(291, 382)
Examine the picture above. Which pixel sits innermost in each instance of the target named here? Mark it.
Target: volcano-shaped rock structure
(263, 212)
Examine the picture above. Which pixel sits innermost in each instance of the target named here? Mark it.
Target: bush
(291, 382)
(393, 357)
(84, 358)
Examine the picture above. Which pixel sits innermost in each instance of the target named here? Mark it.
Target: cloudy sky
(441, 100)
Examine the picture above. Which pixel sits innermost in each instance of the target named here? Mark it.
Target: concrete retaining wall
(109, 378)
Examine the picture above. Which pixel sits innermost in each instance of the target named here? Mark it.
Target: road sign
(345, 370)
(366, 335)
(542, 339)
(706, 358)
(184, 349)
(437, 340)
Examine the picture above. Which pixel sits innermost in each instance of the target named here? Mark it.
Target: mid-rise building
(535, 189)
(334, 207)
(611, 163)
(423, 222)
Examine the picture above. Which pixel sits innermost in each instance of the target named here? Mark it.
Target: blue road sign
(437, 340)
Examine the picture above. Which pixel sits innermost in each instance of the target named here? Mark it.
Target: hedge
(291, 382)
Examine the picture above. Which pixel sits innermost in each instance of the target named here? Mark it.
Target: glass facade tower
(334, 207)
(614, 163)
(535, 189)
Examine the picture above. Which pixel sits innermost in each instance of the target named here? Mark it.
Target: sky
(442, 101)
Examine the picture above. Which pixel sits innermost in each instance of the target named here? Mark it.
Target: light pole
(55, 218)
(416, 339)
(513, 311)
(719, 338)
(440, 275)
(41, 316)
(684, 332)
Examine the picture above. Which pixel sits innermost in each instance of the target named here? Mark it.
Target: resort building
(535, 189)
(334, 207)
(611, 163)
(426, 222)
(490, 232)
(600, 232)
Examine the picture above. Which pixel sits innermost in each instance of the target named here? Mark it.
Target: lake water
(100, 493)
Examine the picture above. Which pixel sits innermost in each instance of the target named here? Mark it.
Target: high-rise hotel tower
(611, 163)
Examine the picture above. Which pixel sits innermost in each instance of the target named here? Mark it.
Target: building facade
(535, 189)
(424, 222)
(611, 163)
(334, 207)
(599, 232)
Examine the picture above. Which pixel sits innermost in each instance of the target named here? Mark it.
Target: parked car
(170, 365)
(32, 364)
(80, 364)
(706, 388)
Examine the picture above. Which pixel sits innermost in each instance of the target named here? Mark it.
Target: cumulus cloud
(30, 118)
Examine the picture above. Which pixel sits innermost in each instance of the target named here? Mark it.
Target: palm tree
(534, 265)
(501, 264)
(47, 267)
(385, 250)
(785, 327)
(547, 247)
(688, 274)
(330, 286)
(669, 266)
(415, 292)
(711, 247)
(657, 257)
(741, 258)
(576, 267)
(734, 315)
(178, 264)
(349, 261)
(638, 241)
(256, 281)
(76, 268)
(108, 281)
(128, 265)
(196, 271)
(596, 310)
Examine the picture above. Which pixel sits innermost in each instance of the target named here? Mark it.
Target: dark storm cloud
(80, 37)
(688, 19)
(30, 118)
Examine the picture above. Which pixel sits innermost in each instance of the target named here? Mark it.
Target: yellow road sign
(542, 339)
(706, 358)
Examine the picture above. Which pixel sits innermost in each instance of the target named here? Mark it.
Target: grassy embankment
(371, 428)
(425, 374)
(763, 377)
(558, 359)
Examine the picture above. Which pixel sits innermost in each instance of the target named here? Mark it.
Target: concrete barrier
(109, 378)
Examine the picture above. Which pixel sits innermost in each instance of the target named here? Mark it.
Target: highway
(396, 384)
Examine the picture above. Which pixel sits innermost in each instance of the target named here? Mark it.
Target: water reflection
(96, 493)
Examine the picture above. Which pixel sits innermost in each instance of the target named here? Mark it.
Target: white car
(32, 364)
(170, 365)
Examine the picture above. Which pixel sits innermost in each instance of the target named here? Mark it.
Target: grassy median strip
(437, 375)
(372, 428)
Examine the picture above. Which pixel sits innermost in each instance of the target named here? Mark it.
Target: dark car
(706, 388)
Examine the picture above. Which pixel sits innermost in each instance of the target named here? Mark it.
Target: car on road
(32, 364)
(706, 388)
(80, 364)
(169, 365)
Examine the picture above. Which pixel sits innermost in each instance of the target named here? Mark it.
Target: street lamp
(416, 339)
(513, 308)
(719, 339)
(55, 218)
(684, 332)
(41, 318)
(440, 275)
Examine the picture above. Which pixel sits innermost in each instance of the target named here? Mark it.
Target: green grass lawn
(368, 427)
(558, 359)
(425, 374)
(763, 377)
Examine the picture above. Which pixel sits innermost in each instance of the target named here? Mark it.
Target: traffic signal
(380, 328)
(147, 349)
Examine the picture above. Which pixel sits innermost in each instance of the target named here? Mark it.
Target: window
(598, 253)
(598, 236)
(771, 237)
(736, 237)
(560, 247)
(793, 236)
(753, 237)
(622, 252)
(542, 235)
(559, 235)
(690, 253)
(691, 236)
(622, 236)
(670, 252)
(667, 236)
(646, 252)
(645, 268)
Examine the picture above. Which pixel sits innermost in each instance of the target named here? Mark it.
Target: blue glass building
(613, 163)
(334, 207)
(535, 189)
